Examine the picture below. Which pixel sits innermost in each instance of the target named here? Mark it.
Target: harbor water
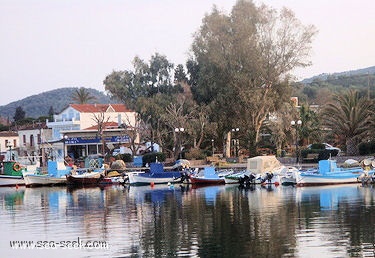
(182, 221)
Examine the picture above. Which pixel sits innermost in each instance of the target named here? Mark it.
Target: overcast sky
(49, 44)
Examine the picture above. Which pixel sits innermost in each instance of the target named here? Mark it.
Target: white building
(75, 130)
(9, 142)
(33, 140)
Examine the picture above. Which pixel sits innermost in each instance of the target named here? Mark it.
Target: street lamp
(296, 124)
(179, 130)
(235, 141)
(213, 149)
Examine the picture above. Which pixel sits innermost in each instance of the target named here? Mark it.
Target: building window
(24, 140)
(39, 139)
(14, 143)
(31, 140)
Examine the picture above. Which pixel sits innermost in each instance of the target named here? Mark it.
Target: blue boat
(328, 174)
(156, 175)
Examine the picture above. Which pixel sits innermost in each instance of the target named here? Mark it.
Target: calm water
(218, 221)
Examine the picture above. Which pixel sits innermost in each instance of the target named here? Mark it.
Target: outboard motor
(268, 177)
(252, 178)
(243, 180)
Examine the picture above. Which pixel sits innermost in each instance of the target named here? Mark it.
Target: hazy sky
(49, 44)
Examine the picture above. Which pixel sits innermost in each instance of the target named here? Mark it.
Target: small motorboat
(207, 176)
(328, 174)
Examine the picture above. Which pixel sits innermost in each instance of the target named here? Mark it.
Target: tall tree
(51, 112)
(149, 90)
(82, 96)
(244, 59)
(349, 116)
(179, 74)
(19, 114)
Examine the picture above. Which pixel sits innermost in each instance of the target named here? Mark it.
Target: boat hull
(43, 180)
(316, 180)
(11, 180)
(207, 181)
(85, 179)
(149, 178)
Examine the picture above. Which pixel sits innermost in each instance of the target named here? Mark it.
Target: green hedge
(366, 148)
(323, 154)
(151, 157)
(126, 157)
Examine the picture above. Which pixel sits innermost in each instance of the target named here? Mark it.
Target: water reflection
(164, 221)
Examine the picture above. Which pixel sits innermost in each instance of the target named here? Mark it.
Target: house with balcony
(84, 129)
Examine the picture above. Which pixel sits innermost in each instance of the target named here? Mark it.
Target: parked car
(334, 150)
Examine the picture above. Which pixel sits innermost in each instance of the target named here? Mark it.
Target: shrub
(317, 146)
(151, 157)
(126, 157)
(323, 154)
(366, 148)
(195, 154)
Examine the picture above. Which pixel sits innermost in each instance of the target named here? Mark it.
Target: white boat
(85, 177)
(56, 175)
(288, 176)
(235, 177)
(12, 174)
(6, 180)
(328, 173)
(259, 170)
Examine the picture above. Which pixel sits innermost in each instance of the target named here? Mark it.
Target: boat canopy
(263, 164)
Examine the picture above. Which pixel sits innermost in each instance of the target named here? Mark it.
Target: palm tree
(82, 96)
(349, 116)
(310, 127)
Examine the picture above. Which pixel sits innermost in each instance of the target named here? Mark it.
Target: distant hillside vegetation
(39, 105)
(319, 89)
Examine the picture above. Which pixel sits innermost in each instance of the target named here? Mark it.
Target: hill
(319, 89)
(40, 104)
(326, 76)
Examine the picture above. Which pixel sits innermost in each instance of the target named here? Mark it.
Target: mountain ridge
(39, 104)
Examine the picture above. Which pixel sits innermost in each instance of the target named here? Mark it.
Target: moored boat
(328, 173)
(259, 170)
(156, 175)
(56, 175)
(287, 176)
(207, 177)
(84, 177)
(113, 178)
(12, 174)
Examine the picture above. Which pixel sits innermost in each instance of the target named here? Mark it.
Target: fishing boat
(235, 177)
(12, 174)
(207, 176)
(56, 175)
(156, 175)
(82, 177)
(328, 173)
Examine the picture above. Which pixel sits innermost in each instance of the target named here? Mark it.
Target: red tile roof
(94, 108)
(8, 134)
(106, 126)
